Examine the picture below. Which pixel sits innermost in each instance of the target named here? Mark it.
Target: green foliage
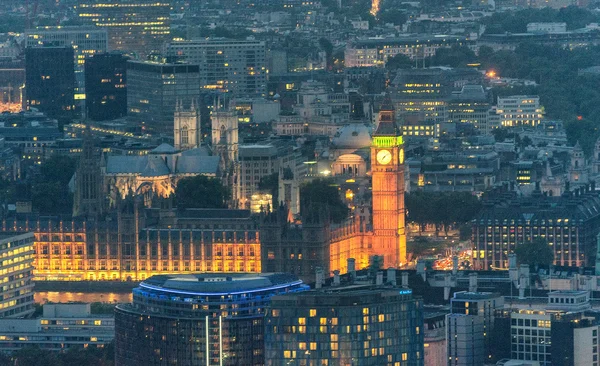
(270, 184)
(33, 356)
(59, 169)
(516, 22)
(400, 61)
(49, 190)
(441, 208)
(322, 194)
(394, 16)
(420, 246)
(201, 192)
(102, 308)
(565, 94)
(455, 56)
(535, 253)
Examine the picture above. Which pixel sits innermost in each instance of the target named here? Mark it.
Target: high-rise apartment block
(106, 86)
(354, 325)
(16, 250)
(137, 27)
(198, 319)
(520, 110)
(233, 66)
(155, 88)
(50, 80)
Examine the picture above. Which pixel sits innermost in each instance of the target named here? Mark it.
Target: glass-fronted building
(199, 319)
(354, 325)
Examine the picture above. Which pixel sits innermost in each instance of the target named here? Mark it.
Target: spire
(548, 169)
(193, 106)
(387, 120)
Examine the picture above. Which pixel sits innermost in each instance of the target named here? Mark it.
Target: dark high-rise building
(50, 80)
(198, 319)
(155, 88)
(138, 27)
(86, 41)
(106, 81)
(354, 325)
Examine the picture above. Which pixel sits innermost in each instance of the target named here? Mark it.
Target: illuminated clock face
(384, 157)
(401, 156)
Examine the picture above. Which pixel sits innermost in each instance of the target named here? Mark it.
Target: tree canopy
(323, 194)
(33, 356)
(441, 208)
(201, 192)
(535, 253)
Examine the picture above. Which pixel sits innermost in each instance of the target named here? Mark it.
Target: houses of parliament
(131, 240)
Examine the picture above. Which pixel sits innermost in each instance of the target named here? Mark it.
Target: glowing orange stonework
(387, 167)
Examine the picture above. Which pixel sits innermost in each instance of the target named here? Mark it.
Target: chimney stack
(336, 277)
(319, 277)
(391, 276)
(379, 280)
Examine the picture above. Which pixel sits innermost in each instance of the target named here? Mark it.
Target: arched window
(184, 136)
(223, 135)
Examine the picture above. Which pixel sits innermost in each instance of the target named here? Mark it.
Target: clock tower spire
(387, 168)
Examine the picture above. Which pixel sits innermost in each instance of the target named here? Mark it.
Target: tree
(270, 183)
(323, 194)
(400, 61)
(58, 168)
(31, 356)
(201, 192)
(535, 253)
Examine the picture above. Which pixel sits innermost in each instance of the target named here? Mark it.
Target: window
(184, 135)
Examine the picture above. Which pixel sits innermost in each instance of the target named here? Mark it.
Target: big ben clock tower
(387, 167)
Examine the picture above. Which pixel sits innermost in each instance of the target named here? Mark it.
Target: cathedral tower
(224, 124)
(387, 167)
(88, 199)
(186, 128)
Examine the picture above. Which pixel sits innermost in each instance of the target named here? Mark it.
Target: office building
(50, 80)
(469, 109)
(469, 327)
(29, 134)
(564, 333)
(155, 88)
(354, 325)
(59, 328)
(85, 41)
(198, 319)
(569, 223)
(434, 324)
(421, 98)
(106, 86)
(520, 110)
(464, 341)
(16, 250)
(377, 51)
(464, 170)
(136, 27)
(227, 65)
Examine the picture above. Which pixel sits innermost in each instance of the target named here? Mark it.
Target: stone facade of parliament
(134, 242)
